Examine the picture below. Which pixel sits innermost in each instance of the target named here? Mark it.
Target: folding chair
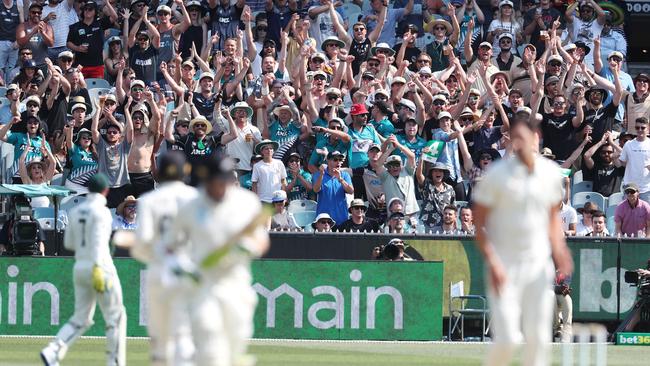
(458, 310)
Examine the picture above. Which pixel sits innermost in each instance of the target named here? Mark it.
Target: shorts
(141, 183)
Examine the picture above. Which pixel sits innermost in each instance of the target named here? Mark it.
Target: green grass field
(90, 351)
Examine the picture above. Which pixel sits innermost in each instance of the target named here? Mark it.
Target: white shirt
(636, 155)
(519, 203)
(269, 178)
(207, 225)
(90, 231)
(156, 211)
(241, 149)
(568, 215)
(65, 17)
(582, 229)
(585, 32)
(322, 27)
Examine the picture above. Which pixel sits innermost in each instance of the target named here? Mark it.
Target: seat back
(71, 201)
(296, 206)
(580, 198)
(584, 186)
(304, 218)
(93, 83)
(43, 212)
(577, 177)
(615, 199)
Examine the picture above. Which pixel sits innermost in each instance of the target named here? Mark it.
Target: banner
(373, 300)
(435, 148)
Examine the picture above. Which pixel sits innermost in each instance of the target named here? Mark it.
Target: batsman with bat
(95, 278)
(225, 228)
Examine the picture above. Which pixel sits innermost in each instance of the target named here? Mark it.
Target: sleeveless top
(167, 46)
(225, 23)
(36, 45)
(8, 22)
(635, 110)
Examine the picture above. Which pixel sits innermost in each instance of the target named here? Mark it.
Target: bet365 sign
(633, 339)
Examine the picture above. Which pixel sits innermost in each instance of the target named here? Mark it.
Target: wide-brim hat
(382, 46)
(469, 112)
(33, 98)
(79, 100)
(261, 144)
(548, 153)
(135, 2)
(120, 208)
(642, 76)
(34, 162)
(393, 159)
(78, 106)
(241, 105)
(502, 73)
(594, 88)
(331, 39)
(439, 166)
(114, 39)
(432, 24)
(322, 216)
(584, 46)
(280, 108)
(357, 202)
(201, 119)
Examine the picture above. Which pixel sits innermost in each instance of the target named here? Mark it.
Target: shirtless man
(145, 133)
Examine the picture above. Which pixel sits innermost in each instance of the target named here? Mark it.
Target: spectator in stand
(361, 41)
(224, 19)
(358, 222)
(332, 184)
(333, 138)
(632, 216)
(24, 54)
(393, 16)
(615, 60)
(8, 47)
(145, 134)
(323, 223)
(284, 124)
(636, 158)
(35, 36)
(505, 22)
(584, 226)
(449, 154)
(60, 15)
(396, 224)
(269, 175)
(637, 104)
(611, 39)
(83, 158)
(587, 26)
(86, 39)
(436, 194)
(37, 171)
(143, 56)
(569, 219)
(538, 20)
(247, 137)
(411, 139)
(481, 61)
(380, 119)
(468, 10)
(278, 15)
(449, 221)
(599, 166)
(506, 60)
(558, 127)
(467, 221)
(445, 37)
(245, 179)
(196, 33)
(170, 34)
(126, 215)
(6, 110)
(396, 177)
(112, 156)
(598, 224)
(281, 219)
(372, 184)
(19, 140)
(362, 136)
(299, 185)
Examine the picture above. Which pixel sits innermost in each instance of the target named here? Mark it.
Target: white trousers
(564, 309)
(168, 322)
(222, 321)
(522, 312)
(85, 301)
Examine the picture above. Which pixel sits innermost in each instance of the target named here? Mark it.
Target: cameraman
(563, 307)
(393, 251)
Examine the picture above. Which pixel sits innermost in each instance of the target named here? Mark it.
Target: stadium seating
(581, 198)
(304, 218)
(97, 83)
(71, 201)
(459, 309)
(577, 177)
(611, 225)
(584, 186)
(615, 199)
(301, 206)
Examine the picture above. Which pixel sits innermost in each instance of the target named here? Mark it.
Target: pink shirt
(632, 219)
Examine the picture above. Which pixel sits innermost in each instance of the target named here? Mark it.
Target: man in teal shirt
(335, 139)
(411, 139)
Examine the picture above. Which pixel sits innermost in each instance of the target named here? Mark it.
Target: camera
(393, 251)
(22, 229)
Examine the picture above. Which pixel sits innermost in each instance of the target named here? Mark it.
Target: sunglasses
(360, 29)
(317, 61)
(332, 97)
(138, 118)
(137, 90)
(84, 138)
(640, 128)
(323, 222)
(332, 44)
(319, 77)
(368, 77)
(558, 104)
(373, 64)
(439, 103)
(424, 61)
(112, 132)
(184, 125)
(486, 157)
(262, 28)
(143, 39)
(163, 13)
(36, 12)
(630, 191)
(555, 64)
(439, 28)
(200, 125)
(25, 53)
(32, 105)
(130, 207)
(467, 119)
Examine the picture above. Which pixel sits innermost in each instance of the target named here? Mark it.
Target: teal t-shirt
(360, 144)
(415, 146)
(84, 165)
(286, 137)
(245, 181)
(317, 159)
(298, 192)
(384, 127)
(19, 140)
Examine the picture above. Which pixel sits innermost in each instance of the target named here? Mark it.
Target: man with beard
(558, 127)
(482, 61)
(396, 177)
(587, 26)
(449, 221)
(358, 222)
(506, 60)
(599, 166)
(537, 20)
(361, 41)
(603, 117)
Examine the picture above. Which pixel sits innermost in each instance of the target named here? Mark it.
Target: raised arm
(381, 20)
(181, 27)
(341, 32)
(128, 130)
(5, 128)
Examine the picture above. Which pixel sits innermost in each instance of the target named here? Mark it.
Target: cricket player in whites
(95, 278)
(170, 338)
(225, 227)
(518, 232)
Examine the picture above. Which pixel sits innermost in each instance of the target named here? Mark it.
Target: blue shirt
(449, 153)
(626, 84)
(331, 198)
(387, 34)
(360, 144)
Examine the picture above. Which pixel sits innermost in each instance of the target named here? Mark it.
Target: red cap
(357, 109)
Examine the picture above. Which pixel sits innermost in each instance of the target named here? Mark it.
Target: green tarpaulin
(34, 190)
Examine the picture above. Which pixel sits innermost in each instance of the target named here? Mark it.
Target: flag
(435, 148)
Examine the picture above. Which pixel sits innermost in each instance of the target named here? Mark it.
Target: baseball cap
(398, 79)
(164, 8)
(137, 83)
(631, 186)
(444, 114)
(357, 202)
(505, 35)
(615, 54)
(374, 146)
(408, 104)
(485, 44)
(557, 58)
(67, 54)
(551, 79)
(207, 74)
(279, 196)
(319, 55)
(98, 183)
(393, 159)
(334, 154)
(357, 109)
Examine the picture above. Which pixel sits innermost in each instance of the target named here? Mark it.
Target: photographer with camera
(639, 278)
(563, 309)
(393, 251)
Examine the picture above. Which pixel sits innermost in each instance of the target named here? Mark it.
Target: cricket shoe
(49, 357)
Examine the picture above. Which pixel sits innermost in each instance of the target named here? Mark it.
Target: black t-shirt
(602, 120)
(411, 55)
(558, 134)
(607, 179)
(93, 35)
(429, 126)
(204, 105)
(144, 63)
(360, 51)
(548, 17)
(198, 152)
(366, 225)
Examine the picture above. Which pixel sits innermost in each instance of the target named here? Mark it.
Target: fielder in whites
(166, 306)
(225, 227)
(95, 278)
(518, 232)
